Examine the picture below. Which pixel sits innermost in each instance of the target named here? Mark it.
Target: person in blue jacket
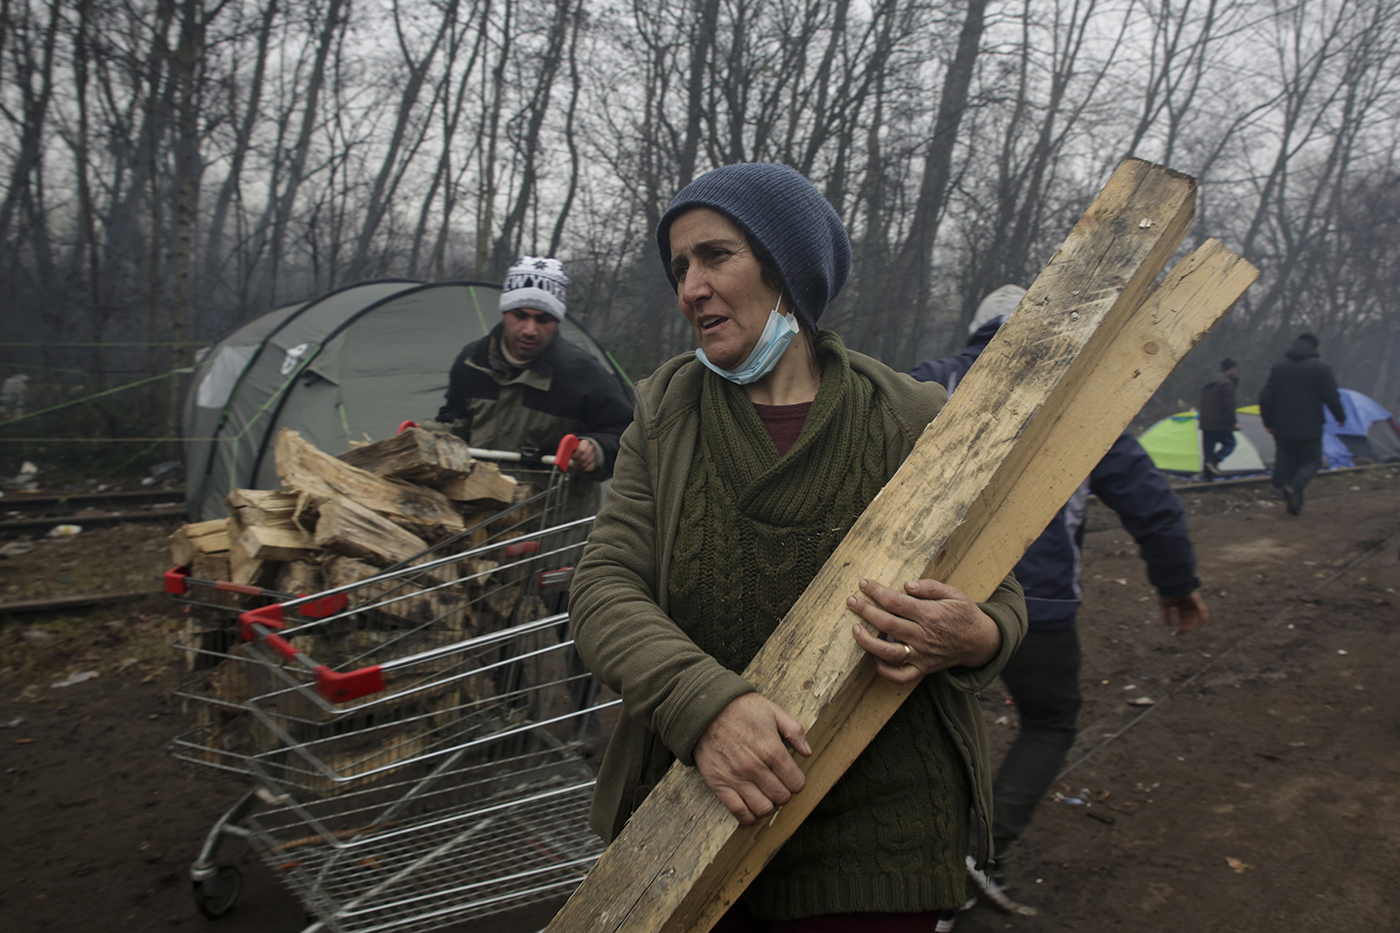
(1043, 676)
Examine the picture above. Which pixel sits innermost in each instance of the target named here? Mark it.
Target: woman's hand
(744, 759)
(929, 627)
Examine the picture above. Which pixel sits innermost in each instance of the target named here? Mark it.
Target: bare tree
(400, 149)
(908, 284)
(528, 149)
(271, 231)
(32, 49)
(245, 120)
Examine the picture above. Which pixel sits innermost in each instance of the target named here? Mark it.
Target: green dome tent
(351, 365)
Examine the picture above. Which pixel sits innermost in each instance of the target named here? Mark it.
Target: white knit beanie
(999, 303)
(535, 282)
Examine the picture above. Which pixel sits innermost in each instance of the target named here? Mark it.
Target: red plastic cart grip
(326, 606)
(247, 589)
(266, 616)
(522, 549)
(352, 685)
(175, 583)
(405, 426)
(561, 576)
(567, 445)
(283, 647)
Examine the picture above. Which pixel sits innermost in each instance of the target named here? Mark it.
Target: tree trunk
(905, 297)
(386, 180)
(214, 253)
(507, 244)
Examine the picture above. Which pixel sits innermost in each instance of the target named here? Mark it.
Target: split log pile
(340, 519)
(336, 522)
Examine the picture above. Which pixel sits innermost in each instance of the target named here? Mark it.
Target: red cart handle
(332, 685)
(269, 617)
(567, 445)
(339, 688)
(174, 579)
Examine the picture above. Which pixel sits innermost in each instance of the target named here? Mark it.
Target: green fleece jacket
(672, 690)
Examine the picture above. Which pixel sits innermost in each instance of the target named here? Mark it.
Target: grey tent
(351, 365)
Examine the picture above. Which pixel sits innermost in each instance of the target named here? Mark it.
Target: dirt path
(1258, 793)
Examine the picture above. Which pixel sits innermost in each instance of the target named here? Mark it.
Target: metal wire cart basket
(414, 740)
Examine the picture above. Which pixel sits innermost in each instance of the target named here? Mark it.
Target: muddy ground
(1259, 792)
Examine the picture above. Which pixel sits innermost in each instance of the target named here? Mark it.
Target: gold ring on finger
(908, 653)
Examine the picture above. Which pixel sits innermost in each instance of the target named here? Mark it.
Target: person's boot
(1293, 500)
(991, 882)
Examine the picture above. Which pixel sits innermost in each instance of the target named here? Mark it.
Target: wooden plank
(321, 478)
(216, 567)
(404, 601)
(300, 577)
(269, 508)
(348, 528)
(682, 859)
(485, 487)
(209, 537)
(244, 568)
(270, 542)
(415, 455)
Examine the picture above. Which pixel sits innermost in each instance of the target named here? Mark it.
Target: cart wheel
(215, 895)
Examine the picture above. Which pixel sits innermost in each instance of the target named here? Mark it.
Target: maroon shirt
(783, 422)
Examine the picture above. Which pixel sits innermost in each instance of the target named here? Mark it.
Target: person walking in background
(1043, 676)
(1290, 405)
(1217, 414)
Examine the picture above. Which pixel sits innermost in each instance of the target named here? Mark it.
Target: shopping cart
(415, 740)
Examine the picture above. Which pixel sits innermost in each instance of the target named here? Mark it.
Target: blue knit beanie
(783, 212)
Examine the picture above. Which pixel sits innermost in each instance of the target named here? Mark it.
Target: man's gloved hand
(429, 425)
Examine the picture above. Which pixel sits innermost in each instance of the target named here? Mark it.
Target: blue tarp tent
(1369, 433)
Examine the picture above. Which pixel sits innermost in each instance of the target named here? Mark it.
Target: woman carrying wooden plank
(746, 464)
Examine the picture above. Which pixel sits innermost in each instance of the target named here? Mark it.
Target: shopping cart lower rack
(416, 741)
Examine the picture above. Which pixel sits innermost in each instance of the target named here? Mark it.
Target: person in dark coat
(522, 388)
(1218, 424)
(1290, 405)
(1043, 676)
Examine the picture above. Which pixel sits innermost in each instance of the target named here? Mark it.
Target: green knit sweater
(755, 529)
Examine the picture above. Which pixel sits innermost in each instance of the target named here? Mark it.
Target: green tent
(1174, 444)
(351, 365)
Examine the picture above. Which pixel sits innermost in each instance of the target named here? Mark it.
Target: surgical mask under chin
(772, 343)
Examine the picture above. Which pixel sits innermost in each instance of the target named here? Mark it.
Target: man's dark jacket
(1290, 404)
(1126, 481)
(564, 390)
(1218, 404)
